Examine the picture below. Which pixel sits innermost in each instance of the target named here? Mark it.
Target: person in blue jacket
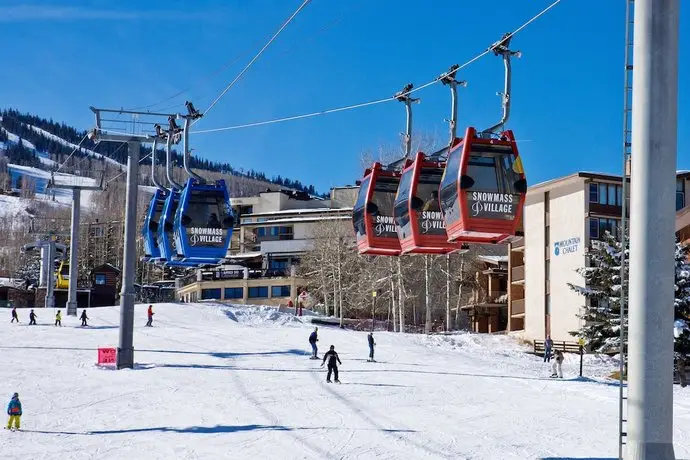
(313, 338)
(14, 410)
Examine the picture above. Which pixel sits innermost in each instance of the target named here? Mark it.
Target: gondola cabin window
(382, 204)
(358, 212)
(402, 202)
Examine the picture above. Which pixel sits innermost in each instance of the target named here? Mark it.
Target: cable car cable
(254, 59)
(380, 101)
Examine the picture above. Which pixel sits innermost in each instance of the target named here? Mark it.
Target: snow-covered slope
(217, 382)
(60, 140)
(41, 179)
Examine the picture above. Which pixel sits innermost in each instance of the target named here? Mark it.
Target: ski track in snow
(215, 381)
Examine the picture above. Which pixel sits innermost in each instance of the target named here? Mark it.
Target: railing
(518, 273)
(518, 244)
(517, 306)
(565, 347)
(5, 304)
(479, 297)
(187, 280)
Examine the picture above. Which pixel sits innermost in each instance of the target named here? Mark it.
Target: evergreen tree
(601, 316)
(682, 302)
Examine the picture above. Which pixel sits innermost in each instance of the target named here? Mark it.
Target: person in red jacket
(149, 313)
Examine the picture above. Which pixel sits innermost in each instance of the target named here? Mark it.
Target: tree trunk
(457, 307)
(427, 296)
(401, 297)
(324, 289)
(393, 308)
(340, 285)
(448, 292)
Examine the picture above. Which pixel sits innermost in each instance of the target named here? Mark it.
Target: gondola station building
(561, 217)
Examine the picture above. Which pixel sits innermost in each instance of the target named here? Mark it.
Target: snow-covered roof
(293, 220)
(493, 259)
(297, 211)
(245, 255)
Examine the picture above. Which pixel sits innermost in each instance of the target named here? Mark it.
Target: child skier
(32, 318)
(313, 338)
(14, 315)
(58, 319)
(14, 410)
(332, 357)
(84, 318)
(370, 338)
(149, 313)
(557, 370)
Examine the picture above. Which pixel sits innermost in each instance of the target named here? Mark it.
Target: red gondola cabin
(483, 189)
(421, 228)
(372, 215)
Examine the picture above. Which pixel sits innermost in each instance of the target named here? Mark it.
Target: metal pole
(125, 351)
(651, 291)
(50, 282)
(582, 350)
(373, 311)
(74, 254)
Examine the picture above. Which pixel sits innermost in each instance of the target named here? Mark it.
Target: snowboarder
(332, 358)
(14, 315)
(548, 346)
(14, 410)
(84, 318)
(370, 338)
(149, 313)
(313, 338)
(32, 318)
(58, 319)
(557, 369)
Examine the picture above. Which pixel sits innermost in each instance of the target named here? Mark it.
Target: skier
(332, 357)
(32, 318)
(14, 315)
(58, 319)
(84, 318)
(313, 338)
(557, 369)
(548, 346)
(149, 313)
(14, 410)
(370, 338)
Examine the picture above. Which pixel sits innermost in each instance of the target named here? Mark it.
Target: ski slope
(216, 382)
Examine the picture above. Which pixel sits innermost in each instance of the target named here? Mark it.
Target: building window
(258, 292)
(280, 291)
(279, 264)
(593, 228)
(234, 293)
(98, 232)
(619, 195)
(100, 279)
(209, 294)
(593, 192)
(680, 194)
(612, 194)
(603, 194)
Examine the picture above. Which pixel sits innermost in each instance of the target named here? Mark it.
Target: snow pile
(260, 316)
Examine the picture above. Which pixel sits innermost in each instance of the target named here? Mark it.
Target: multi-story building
(487, 307)
(273, 231)
(561, 218)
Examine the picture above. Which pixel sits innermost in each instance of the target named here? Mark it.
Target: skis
(314, 357)
(328, 381)
(371, 360)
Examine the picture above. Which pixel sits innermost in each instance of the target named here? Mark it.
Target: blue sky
(61, 57)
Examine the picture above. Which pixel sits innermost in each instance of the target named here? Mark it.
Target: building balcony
(518, 245)
(518, 274)
(517, 307)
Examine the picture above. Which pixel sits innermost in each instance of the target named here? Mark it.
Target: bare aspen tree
(392, 282)
(427, 294)
(401, 296)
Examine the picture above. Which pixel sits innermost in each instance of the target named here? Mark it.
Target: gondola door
(149, 230)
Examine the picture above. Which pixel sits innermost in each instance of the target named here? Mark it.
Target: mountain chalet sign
(568, 246)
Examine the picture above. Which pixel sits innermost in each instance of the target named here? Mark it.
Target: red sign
(107, 356)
